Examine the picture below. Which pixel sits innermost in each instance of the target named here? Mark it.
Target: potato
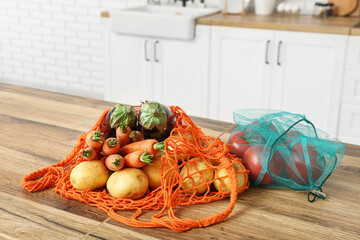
(89, 175)
(153, 171)
(181, 145)
(226, 184)
(190, 168)
(129, 183)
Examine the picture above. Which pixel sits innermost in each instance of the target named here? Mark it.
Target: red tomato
(238, 144)
(299, 160)
(252, 163)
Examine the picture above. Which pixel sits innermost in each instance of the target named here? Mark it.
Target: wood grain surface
(356, 31)
(38, 128)
(344, 7)
(302, 23)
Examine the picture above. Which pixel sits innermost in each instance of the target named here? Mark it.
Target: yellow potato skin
(181, 144)
(128, 183)
(190, 168)
(153, 171)
(226, 185)
(89, 175)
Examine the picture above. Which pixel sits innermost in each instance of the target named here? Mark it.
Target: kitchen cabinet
(174, 72)
(130, 69)
(349, 130)
(307, 76)
(292, 71)
(240, 70)
(181, 70)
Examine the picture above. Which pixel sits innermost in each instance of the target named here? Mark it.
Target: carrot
(122, 135)
(95, 139)
(137, 159)
(151, 145)
(114, 162)
(111, 146)
(89, 154)
(136, 136)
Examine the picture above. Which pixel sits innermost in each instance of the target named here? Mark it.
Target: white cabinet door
(240, 75)
(353, 54)
(308, 76)
(130, 74)
(181, 72)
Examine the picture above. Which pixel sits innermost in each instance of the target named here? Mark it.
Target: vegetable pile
(127, 157)
(150, 157)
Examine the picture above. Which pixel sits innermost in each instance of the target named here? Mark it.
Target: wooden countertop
(355, 31)
(39, 128)
(302, 23)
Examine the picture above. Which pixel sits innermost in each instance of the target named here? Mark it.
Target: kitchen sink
(158, 21)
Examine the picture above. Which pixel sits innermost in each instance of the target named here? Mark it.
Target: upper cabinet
(291, 71)
(240, 70)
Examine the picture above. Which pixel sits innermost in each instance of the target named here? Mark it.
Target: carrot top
(159, 146)
(146, 158)
(97, 136)
(112, 142)
(117, 162)
(133, 134)
(86, 152)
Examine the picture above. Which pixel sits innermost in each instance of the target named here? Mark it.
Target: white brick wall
(55, 44)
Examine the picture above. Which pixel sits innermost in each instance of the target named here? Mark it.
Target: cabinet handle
(145, 49)
(278, 55)
(155, 51)
(267, 52)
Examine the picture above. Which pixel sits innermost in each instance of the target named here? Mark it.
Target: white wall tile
(55, 69)
(54, 39)
(33, 51)
(40, 14)
(68, 63)
(52, 8)
(65, 48)
(88, 3)
(44, 60)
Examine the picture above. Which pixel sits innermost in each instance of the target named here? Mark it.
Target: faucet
(184, 2)
(155, 2)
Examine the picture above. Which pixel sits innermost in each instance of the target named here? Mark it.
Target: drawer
(351, 90)
(349, 127)
(353, 53)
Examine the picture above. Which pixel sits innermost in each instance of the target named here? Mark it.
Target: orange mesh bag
(191, 166)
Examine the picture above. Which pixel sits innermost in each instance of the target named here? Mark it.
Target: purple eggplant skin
(106, 123)
(156, 133)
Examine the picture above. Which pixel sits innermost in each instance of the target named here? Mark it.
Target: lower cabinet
(240, 70)
(181, 73)
(291, 71)
(173, 72)
(349, 125)
(226, 68)
(308, 76)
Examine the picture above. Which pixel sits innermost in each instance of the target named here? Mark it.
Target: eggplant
(121, 116)
(155, 120)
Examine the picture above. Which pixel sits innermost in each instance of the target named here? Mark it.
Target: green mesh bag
(290, 152)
